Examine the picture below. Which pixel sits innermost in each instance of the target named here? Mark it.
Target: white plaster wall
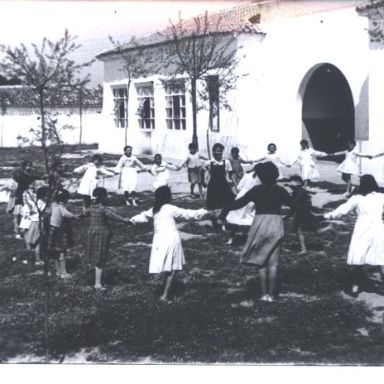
(18, 123)
(279, 64)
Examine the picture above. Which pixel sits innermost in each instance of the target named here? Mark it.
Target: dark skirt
(219, 195)
(58, 241)
(97, 247)
(195, 175)
(264, 241)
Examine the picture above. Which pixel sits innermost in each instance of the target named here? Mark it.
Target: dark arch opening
(328, 111)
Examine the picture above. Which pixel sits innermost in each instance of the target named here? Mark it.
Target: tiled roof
(24, 97)
(237, 19)
(370, 5)
(232, 20)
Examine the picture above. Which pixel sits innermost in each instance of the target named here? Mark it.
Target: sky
(93, 21)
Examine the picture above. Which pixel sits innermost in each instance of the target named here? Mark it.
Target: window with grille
(214, 106)
(120, 99)
(146, 110)
(175, 105)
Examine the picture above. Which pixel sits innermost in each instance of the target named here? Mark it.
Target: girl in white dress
(167, 253)
(367, 243)
(160, 170)
(91, 176)
(350, 166)
(244, 216)
(274, 157)
(127, 167)
(307, 164)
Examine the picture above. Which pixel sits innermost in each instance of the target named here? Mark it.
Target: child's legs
(37, 253)
(263, 275)
(193, 188)
(16, 222)
(127, 195)
(87, 201)
(272, 273)
(347, 178)
(357, 274)
(168, 284)
(61, 265)
(98, 272)
(300, 236)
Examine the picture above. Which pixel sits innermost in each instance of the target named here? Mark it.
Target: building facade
(306, 69)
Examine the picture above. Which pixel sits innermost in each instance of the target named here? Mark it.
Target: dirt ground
(313, 320)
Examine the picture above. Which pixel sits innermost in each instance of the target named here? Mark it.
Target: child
(36, 232)
(127, 166)
(350, 165)
(308, 167)
(275, 158)
(23, 177)
(167, 252)
(236, 160)
(243, 217)
(304, 220)
(99, 233)
(367, 244)
(57, 242)
(195, 169)
(219, 192)
(89, 180)
(160, 170)
(265, 236)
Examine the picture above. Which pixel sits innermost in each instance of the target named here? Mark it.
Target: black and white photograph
(195, 183)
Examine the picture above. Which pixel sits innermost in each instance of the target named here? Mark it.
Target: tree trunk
(43, 129)
(194, 112)
(126, 128)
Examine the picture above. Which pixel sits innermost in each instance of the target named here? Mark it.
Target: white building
(308, 69)
(78, 115)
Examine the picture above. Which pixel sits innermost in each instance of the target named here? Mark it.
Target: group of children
(257, 207)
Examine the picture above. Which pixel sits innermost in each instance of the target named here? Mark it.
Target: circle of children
(256, 208)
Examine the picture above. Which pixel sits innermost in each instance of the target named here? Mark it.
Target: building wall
(267, 104)
(18, 122)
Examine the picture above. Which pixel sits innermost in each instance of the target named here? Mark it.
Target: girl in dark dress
(265, 236)
(99, 233)
(219, 192)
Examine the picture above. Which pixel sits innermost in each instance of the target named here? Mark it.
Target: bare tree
(202, 47)
(136, 62)
(46, 70)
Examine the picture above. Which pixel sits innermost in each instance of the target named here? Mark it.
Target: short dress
(161, 173)
(34, 233)
(100, 234)
(90, 180)
(265, 236)
(307, 164)
(245, 215)
(367, 242)
(58, 240)
(195, 174)
(219, 192)
(167, 252)
(304, 221)
(237, 169)
(127, 166)
(275, 159)
(351, 163)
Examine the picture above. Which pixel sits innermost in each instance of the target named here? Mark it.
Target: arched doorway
(328, 112)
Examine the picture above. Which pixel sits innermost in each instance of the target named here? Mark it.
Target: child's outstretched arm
(143, 217)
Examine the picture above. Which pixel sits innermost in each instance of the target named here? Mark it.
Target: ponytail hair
(162, 196)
